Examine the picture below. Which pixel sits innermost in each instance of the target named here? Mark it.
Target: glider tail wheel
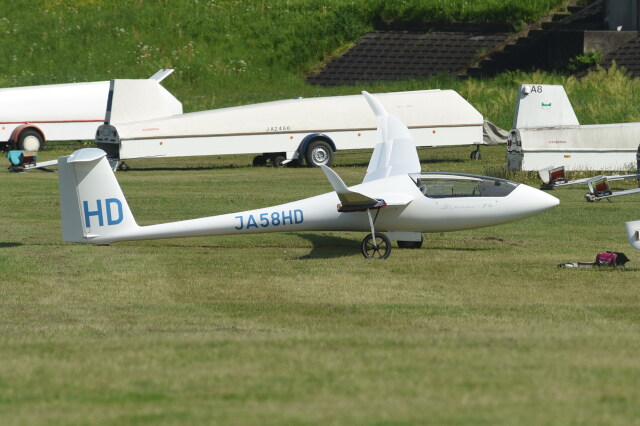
(410, 244)
(378, 247)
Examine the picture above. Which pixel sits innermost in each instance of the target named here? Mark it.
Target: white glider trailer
(546, 134)
(32, 115)
(312, 129)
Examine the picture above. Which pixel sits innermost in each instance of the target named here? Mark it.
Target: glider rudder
(543, 105)
(139, 100)
(93, 206)
(395, 151)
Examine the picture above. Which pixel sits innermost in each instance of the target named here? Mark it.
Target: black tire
(278, 161)
(30, 140)
(319, 153)
(476, 155)
(123, 167)
(259, 160)
(370, 251)
(410, 244)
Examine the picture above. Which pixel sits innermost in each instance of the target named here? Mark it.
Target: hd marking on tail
(100, 213)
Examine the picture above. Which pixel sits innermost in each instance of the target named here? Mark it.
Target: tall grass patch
(225, 52)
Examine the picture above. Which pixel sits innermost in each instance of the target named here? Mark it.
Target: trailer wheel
(30, 140)
(410, 244)
(278, 161)
(319, 153)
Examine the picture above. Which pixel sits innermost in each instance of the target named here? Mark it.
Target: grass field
(477, 327)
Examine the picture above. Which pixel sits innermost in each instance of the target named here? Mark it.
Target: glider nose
(536, 201)
(545, 200)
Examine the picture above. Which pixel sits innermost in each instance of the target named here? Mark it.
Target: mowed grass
(477, 327)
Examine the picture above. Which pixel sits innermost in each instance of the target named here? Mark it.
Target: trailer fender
(27, 137)
(317, 149)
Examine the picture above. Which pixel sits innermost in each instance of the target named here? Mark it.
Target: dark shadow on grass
(244, 166)
(453, 249)
(423, 161)
(329, 247)
(183, 169)
(324, 246)
(441, 160)
(10, 245)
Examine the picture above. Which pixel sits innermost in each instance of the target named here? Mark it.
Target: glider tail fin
(395, 151)
(543, 105)
(93, 206)
(139, 100)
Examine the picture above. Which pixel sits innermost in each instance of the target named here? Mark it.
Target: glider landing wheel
(380, 250)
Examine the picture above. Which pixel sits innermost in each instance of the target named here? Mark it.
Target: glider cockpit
(457, 185)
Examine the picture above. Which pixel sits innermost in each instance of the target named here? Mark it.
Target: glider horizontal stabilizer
(350, 201)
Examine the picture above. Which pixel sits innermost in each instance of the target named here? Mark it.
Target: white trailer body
(32, 115)
(311, 128)
(57, 112)
(546, 133)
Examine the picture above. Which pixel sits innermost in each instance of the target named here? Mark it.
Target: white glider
(395, 197)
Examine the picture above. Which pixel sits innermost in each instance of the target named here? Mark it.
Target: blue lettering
(275, 218)
(241, 223)
(251, 222)
(264, 219)
(289, 217)
(88, 213)
(108, 203)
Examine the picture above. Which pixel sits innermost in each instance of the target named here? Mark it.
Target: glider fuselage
(439, 212)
